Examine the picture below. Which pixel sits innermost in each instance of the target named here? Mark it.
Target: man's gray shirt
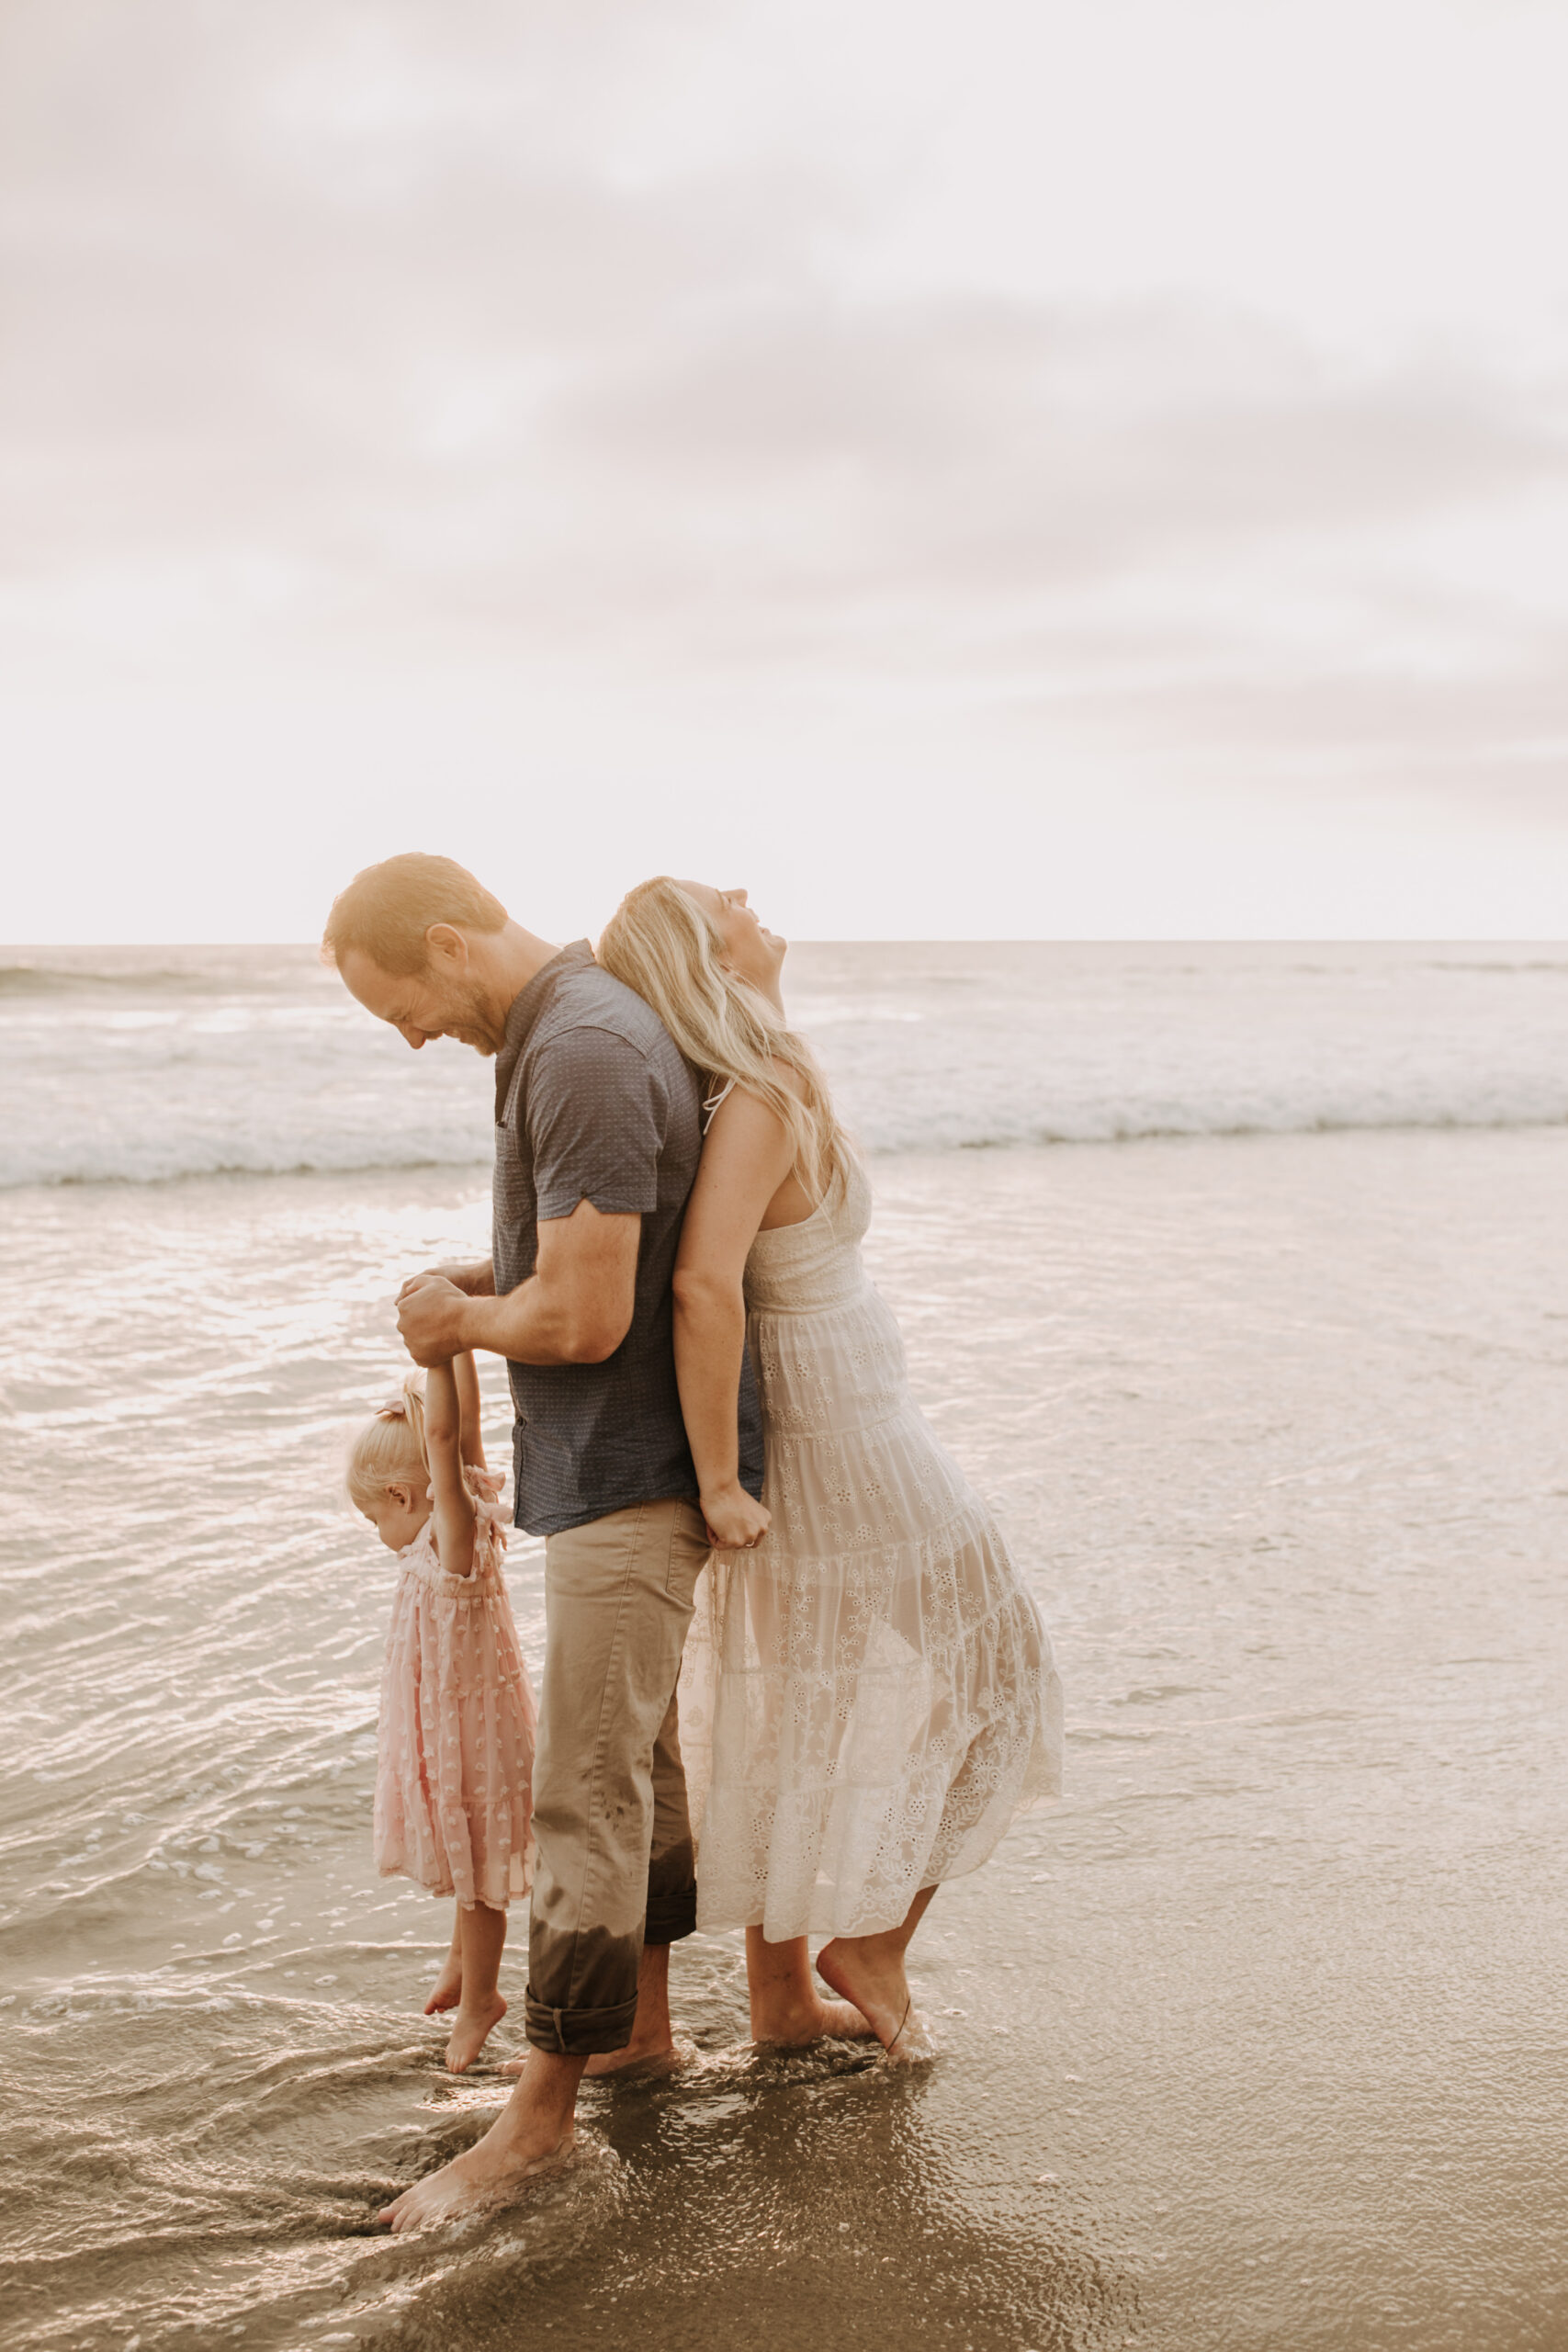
(593, 1102)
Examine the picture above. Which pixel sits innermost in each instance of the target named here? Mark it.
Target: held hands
(474, 1280)
(429, 1319)
(736, 1522)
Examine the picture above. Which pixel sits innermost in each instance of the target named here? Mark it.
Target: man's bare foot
(616, 2061)
(642, 2050)
(793, 2026)
(470, 2029)
(652, 2035)
(497, 2166)
(448, 1988)
(868, 1971)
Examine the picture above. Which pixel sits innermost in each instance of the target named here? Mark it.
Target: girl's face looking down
(398, 1513)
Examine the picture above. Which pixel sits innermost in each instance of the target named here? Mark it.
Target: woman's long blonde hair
(663, 943)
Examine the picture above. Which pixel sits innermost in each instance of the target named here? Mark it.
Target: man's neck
(508, 959)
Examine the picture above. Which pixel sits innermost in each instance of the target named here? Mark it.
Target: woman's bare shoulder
(787, 1075)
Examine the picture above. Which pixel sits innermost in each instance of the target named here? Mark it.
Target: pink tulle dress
(454, 1774)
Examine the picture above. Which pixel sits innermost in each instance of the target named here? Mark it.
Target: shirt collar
(525, 1011)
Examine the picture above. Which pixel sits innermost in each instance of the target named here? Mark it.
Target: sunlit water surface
(1251, 2042)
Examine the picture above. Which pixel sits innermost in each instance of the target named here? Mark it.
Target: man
(598, 1131)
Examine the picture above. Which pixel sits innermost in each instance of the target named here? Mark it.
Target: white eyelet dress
(455, 1765)
(869, 1695)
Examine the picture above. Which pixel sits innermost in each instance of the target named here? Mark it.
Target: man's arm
(477, 1279)
(575, 1307)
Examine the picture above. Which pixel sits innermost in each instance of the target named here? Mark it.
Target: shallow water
(1250, 2042)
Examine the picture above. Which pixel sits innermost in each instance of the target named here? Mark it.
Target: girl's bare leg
(869, 1970)
(785, 2004)
(482, 1934)
(448, 1989)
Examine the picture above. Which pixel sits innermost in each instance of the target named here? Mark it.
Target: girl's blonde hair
(390, 1447)
(663, 943)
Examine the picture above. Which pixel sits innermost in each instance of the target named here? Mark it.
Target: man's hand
(475, 1280)
(429, 1319)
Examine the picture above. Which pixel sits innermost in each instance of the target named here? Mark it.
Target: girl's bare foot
(869, 1972)
(448, 1988)
(470, 2028)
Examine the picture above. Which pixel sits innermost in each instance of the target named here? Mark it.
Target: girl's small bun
(390, 1445)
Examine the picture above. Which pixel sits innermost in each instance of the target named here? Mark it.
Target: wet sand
(1250, 2043)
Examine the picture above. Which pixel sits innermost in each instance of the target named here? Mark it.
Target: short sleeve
(597, 1114)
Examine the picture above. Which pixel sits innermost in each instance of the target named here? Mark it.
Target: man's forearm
(534, 1325)
(478, 1280)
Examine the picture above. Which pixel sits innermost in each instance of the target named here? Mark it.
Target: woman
(869, 1693)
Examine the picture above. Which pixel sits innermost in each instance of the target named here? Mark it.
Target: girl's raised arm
(468, 1380)
(452, 1506)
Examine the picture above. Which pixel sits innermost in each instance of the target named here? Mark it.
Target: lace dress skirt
(870, 1696)
(453, 1776)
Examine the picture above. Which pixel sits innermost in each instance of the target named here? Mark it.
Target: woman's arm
(745, 1158)
(468, 1380)
(453, 1506)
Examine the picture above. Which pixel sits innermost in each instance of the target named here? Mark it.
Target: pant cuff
(578, 2033)
(671, 1917)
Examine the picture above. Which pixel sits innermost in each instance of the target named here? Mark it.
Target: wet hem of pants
(671, 1917)
(578, 2033)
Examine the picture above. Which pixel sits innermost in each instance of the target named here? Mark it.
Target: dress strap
(710, 1106)
(484, 1492)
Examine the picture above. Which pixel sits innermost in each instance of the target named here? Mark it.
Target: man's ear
(446, 943)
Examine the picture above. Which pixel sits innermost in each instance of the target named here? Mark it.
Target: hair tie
(396, 1408)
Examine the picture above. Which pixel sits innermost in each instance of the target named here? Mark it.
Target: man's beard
(471, 1015)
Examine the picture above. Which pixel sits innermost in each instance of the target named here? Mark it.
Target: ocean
(1237, 1278)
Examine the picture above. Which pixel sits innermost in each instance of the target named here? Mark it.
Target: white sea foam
(139, 1065)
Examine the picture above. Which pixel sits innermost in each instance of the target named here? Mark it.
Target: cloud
(383, 329)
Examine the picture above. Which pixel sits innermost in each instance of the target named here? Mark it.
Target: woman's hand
(735, 1520)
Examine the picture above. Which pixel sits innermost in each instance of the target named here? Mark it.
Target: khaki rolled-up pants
(616, 1865)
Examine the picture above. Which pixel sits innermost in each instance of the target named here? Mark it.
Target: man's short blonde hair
(386, 911)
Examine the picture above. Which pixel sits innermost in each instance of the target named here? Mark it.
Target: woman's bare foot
(470, 2029)
(868, 1971)
(802, 2021)
(787, 2011)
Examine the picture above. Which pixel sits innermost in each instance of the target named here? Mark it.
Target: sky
(1050, 468)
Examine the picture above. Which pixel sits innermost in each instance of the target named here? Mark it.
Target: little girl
(455, 1766)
